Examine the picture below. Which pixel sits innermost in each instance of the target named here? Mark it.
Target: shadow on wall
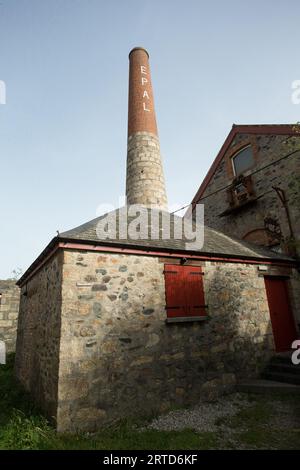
(241, 321)
(38, 338)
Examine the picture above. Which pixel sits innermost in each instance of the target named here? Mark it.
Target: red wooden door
(283, 324)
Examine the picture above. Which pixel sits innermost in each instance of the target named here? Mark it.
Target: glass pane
(243, 160)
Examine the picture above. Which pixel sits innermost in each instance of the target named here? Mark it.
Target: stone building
(9, 309)
(115, 327)
(253, 186)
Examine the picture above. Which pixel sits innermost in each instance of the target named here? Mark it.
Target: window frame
(236, 154)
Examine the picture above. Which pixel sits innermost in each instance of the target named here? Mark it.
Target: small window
(239, 189)
(243, 160)
(184, 293)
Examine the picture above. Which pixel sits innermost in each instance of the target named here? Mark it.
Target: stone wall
(37, 354)
(249, 223)
(119, 358)
(145, 182)
(93, 345)
(9, 309)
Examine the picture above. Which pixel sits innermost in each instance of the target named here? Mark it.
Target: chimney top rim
(138, 49)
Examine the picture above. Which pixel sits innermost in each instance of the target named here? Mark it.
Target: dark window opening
(243, 160)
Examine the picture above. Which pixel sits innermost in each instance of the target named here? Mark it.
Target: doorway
(282, 320)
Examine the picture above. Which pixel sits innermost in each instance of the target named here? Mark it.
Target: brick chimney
(145, 182)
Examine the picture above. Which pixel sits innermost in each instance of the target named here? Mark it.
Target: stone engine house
(110, 328)
(253, 186)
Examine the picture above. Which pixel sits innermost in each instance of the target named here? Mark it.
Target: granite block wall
(9, 309)
(38, 338)
(119, 358)
(93, 345)
(145, 183)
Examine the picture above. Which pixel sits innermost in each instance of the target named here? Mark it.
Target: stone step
(267, 386)
(281, 377)
(284, 368)
(282, 358)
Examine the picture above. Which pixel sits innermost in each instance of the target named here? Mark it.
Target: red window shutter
(175, 295)
(184, 291)
(194, 291)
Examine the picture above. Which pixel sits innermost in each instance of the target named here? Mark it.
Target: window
(184, 293)
(243, 160)
(241, 192)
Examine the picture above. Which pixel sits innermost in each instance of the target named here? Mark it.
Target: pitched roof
(215, 242)
(216, 245)
(261, 129)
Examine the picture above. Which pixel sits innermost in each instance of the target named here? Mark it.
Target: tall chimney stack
(145, 182)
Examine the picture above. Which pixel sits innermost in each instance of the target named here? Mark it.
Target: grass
(22, 426)
(254, 426)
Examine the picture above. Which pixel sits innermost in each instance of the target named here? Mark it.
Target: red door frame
(282, 319)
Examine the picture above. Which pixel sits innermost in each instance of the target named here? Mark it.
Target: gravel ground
(202, 417)
(251, 430)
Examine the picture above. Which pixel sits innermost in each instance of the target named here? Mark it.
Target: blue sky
(63, 128)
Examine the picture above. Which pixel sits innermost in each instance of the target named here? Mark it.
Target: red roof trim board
(263, 129)
(55, 245)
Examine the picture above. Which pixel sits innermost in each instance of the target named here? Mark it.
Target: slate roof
(215, 242)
